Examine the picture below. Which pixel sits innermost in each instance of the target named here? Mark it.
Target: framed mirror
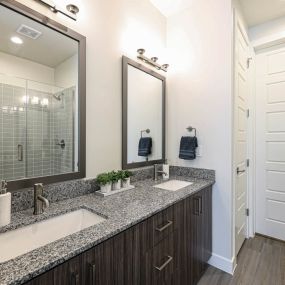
(42, 98)
(143, 115)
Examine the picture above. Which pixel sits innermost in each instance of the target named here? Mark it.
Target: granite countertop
(122, 211)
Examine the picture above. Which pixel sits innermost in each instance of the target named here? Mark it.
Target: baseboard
(222, 263)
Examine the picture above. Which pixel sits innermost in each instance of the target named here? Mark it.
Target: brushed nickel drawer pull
(160, 268)
(92, 271)
(169, 223)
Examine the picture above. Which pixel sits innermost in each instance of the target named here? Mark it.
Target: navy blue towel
(188, 147)
(145, 146)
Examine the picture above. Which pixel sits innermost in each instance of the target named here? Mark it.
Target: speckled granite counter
(122, 211)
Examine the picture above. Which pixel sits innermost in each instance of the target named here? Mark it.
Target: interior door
(240, 135)
(270, 143)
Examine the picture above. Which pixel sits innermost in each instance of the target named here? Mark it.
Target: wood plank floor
(261, 261)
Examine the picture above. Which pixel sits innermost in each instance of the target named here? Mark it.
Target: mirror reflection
(38, 99)
(144, 95)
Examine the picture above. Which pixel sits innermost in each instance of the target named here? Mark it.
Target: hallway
(260, 262)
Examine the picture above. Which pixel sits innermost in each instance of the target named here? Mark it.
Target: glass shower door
(12, 128)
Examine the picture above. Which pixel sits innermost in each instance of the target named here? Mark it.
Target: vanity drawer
(161, 262)
(162, 224)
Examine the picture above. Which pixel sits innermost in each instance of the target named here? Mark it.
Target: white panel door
(240, 136)
(270, 143)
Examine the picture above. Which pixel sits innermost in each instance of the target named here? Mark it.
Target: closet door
(270, 143)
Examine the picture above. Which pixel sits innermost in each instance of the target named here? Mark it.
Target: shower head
(58, 96)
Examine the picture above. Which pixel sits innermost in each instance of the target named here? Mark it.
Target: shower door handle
(20, 152)
(61, 144)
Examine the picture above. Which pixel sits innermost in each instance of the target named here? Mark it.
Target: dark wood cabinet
(169, 248)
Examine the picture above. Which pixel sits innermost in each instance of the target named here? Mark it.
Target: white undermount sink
(173, 185)
(23, 240)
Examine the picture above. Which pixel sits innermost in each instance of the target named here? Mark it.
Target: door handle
(92, 273)
(20, 152)
(240, 171)
(74, 279)
(160, 268)
(200, 205)
(196, 206)
(169, 223)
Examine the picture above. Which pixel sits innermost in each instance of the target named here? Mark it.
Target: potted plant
(105, 182)
(116, 180)
(126, 178)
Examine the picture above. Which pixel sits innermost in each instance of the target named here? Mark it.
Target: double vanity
(61, 233)
(147, 235)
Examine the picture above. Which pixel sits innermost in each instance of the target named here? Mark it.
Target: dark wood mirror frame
(125, 63)
(40, 18)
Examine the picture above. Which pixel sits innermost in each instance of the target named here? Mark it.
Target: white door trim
(238, 26)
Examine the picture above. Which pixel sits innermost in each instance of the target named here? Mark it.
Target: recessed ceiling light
(16, 40)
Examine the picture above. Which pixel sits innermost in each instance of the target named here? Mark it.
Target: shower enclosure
(36, 129)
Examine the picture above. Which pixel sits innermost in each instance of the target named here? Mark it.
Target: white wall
(112, 28)
(66, 73)
(199, 95)
(26, 69)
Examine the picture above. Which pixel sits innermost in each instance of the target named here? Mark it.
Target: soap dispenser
(5, 205)
(165, 169)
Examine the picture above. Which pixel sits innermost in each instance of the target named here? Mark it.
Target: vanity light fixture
(16, 40)
(152, 61)
(71, 9)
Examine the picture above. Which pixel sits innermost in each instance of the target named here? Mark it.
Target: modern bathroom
(142, 142)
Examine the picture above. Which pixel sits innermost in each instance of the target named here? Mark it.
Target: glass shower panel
(50, 130)
(13, 127)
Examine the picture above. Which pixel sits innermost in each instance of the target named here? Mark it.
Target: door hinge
(247, 212)
(248, 61)
(247, 113)
(247, 162)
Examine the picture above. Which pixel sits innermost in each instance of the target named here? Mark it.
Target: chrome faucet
(157, 172)
(40, 203)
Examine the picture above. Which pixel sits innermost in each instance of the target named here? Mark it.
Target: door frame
(250, 199)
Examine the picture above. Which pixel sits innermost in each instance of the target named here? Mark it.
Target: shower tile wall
(39, 136)
(63, 129)
(42, 127)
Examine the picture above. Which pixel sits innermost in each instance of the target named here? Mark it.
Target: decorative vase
(106, 188)
(126, 182)
(116, 185)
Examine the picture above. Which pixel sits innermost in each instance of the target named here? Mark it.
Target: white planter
(106, 188)
(126, 182)
(116, 185)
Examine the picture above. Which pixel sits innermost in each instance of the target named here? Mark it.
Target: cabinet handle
(168, 224)
(196, 206)
(160, 268)
(92, 273)
(74, 279)
(200, 205)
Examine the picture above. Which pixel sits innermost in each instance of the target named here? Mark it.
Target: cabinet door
(207, 223)
(69, 273)
(180, 246)
(44, 279)
(89, 268)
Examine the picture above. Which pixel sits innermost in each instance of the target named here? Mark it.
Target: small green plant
(125, 174)
(115, 176)
(103, 178)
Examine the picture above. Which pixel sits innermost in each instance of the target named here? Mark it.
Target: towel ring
(191, 129)
(145, 131)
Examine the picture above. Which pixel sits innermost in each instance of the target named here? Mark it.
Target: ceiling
(260, 11)
(50, 49)
(171, 7)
